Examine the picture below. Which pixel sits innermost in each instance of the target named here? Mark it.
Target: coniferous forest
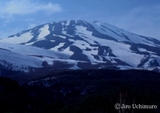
(82, 91)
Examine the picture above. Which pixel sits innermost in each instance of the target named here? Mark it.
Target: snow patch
(122, 67)
(64, 51)
(44, 31)
(68, 22)
(56, 47)
(52, 40)
(31, 43)
(60, 36)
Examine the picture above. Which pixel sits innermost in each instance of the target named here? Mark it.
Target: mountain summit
(77, 44)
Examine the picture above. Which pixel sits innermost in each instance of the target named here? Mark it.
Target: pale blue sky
(138, 16)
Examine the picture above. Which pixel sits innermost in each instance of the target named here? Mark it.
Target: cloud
(24, 7)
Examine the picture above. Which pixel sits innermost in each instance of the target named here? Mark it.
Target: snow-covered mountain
(77, 44)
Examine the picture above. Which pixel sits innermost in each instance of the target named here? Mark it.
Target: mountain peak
(97, 44)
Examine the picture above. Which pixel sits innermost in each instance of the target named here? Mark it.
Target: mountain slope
(99, 45)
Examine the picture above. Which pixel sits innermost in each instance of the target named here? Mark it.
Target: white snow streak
(59, 36)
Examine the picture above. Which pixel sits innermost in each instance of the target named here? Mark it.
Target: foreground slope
(22, 58)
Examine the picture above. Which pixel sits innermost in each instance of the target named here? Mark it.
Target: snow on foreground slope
(18, 62)
(20, 57)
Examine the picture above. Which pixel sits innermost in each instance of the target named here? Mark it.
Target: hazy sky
(138, 16)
